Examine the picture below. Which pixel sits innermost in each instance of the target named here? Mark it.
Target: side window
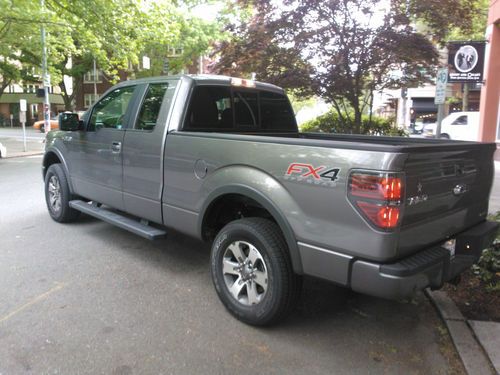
(151, 106)
(276, 111)
(209, 109)
(246, 108)
(110, 111)
(461, 120)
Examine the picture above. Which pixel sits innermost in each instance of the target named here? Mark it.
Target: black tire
(61, 212)
(282, 287)
(444, 136)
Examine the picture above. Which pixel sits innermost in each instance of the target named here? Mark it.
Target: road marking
(41, 297)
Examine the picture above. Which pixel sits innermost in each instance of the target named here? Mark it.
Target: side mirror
(69, 122)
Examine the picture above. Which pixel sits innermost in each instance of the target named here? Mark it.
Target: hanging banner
(466, 61)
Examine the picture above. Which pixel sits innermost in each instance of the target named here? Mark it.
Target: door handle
(116, 147)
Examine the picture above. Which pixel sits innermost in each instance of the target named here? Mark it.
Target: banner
(466, 61)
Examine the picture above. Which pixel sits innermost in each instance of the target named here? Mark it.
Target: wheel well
(50, 158)
(228, 208)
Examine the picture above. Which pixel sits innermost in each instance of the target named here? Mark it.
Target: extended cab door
(144, 148)
(95, 155)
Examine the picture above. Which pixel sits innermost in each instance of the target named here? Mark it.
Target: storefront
(490, 94)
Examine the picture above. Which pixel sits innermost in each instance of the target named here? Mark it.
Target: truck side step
(121, 221)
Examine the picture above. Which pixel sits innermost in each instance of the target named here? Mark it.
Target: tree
(115, 34)
(343, 51)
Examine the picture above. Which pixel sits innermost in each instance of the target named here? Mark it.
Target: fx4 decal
(311, 174)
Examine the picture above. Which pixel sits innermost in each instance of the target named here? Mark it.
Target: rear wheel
(57, 195)
(444, 136)
(252, 271)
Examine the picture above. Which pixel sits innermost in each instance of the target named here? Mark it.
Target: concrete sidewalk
(12, 143)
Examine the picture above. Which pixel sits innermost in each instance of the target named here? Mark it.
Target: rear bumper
(431, 267)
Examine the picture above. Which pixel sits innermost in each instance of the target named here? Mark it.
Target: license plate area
(451, 246)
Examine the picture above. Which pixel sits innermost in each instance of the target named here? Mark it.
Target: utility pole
(45, 77)
(95, 83)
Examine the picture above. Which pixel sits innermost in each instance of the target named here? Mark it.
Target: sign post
(22, 119)
(440, 97)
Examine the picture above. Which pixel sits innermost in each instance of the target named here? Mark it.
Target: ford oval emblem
(459, 189)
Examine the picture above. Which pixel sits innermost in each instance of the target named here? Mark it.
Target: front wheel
(57, 195)
(252, 271)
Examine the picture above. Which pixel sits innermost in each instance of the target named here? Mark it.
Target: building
(9, 103)
(93, 86)
(490, 92)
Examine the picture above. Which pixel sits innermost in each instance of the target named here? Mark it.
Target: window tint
(151, 106)
(246, 108)
(461, 120)
(275, 111)
(110, 111)
(218, 108)
(210, 108)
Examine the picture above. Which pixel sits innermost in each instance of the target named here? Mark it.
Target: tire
(444, 136)
(57, 195)
(252, 271)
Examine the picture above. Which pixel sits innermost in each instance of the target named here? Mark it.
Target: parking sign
(441, 81)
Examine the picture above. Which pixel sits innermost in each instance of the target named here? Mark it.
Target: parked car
(462, 126)
(222, 159)
(40, 125)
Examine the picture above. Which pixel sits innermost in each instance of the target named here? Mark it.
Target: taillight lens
(377, 196)
(383, 216)
(375, 186)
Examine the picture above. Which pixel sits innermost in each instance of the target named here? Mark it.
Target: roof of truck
(205, 79)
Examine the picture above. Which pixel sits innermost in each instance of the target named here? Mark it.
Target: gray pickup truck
(222, 159)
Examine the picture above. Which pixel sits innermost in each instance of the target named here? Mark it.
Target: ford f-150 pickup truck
(222, 159)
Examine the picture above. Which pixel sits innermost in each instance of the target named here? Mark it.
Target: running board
(121, 221)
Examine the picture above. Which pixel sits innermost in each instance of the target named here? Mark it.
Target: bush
(488, 266)
(331, 123)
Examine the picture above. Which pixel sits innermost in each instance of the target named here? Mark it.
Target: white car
(462, 126)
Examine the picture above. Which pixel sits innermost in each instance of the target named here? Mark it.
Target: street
(89, 298)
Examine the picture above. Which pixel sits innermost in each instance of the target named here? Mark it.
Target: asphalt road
(89, 298)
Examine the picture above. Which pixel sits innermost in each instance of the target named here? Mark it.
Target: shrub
(331, 123)
(488, 266)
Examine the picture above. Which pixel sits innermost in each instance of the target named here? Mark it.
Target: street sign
(441, 81)
(46, 80)
(22, 105)
(146, 62)
(22, 117)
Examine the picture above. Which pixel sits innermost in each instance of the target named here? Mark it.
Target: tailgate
(447, 191)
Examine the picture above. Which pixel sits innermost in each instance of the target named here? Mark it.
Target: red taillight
(375, 186)
(384, 216)
(377, 196)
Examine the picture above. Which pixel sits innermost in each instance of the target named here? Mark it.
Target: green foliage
(116, 34)
(488, 267)
(332, 123)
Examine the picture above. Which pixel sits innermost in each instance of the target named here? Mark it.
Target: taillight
(377, 196)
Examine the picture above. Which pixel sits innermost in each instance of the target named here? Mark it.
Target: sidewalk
(12, 144)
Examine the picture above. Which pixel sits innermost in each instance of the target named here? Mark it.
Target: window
(210, 109)
(89, 100)
(30, 89)
(246, 108)
(275, 111)
(110, 111)
(151, 106)
(90, 77)
(217, 108)
(461, 120)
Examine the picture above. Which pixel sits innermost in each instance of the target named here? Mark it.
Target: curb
(470, 351)
(21, 155)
